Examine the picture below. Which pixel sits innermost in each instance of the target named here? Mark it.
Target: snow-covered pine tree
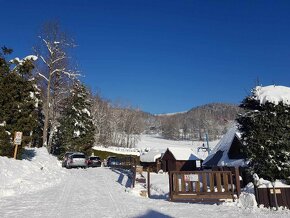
(19, 100)
(76, 131)
(265, 128)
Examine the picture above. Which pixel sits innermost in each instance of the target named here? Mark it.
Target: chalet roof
(183, 153)
(151, 156)
(219, 155)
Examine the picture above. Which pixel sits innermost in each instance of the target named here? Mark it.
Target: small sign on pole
(17, 141)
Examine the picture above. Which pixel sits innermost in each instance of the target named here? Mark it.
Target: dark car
(112, 161)
(94, 161)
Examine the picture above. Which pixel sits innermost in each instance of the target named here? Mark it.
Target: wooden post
(275, 195)
(238, 183)
(148, 183)
(15, 151)
(134, 169)
(170, 185)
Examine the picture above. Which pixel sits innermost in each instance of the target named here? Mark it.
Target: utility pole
(207, 143)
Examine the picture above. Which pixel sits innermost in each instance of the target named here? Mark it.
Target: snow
(86, 111)
(18, 176)
(170, 114)
(119, 150)
(156, 142)
(262, 183)
(183, 153)
(151, 156)
(273, 94)
(3, 123)
(157, 145)
(30, 57)
(20, 62)
(77, 133)
(38, 187)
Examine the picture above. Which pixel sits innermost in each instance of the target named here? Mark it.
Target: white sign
(198, 164)
(18, 138)
(191, 178)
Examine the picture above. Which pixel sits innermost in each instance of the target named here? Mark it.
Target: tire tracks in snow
(61, 202)
(108, 187)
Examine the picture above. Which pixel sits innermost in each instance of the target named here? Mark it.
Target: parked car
(65, 158)
(112, 161)
(94, 161)
(77, 160)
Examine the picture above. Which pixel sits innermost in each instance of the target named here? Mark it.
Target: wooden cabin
(151, 160)
(228, 151)
(227, 155)
(180, 159)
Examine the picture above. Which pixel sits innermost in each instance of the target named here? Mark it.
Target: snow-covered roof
(151, 156)
(219, 155)
(183, 153)
(273, 94)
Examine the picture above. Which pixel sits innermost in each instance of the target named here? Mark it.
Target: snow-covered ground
(159, 144)
(39, 187)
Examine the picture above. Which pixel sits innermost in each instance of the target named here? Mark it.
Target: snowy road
(100, 192)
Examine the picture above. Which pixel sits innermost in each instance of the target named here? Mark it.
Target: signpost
(17, 141)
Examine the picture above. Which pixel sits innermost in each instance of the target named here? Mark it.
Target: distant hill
(213, 119)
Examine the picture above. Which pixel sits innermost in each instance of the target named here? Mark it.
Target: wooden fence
(127, 163)
(203, 185)
(265, 196)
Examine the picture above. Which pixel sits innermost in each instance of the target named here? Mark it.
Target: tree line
(212, 120)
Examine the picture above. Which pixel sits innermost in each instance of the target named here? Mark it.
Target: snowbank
(38, 170)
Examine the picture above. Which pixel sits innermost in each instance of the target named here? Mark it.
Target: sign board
(191, 178)
(17, 138)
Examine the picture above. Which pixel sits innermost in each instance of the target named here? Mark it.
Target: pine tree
(265, 132)
(76, 131)
(19, 100)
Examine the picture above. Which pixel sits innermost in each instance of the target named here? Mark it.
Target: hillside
(213, 119)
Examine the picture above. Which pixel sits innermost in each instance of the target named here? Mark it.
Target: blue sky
(164, 56)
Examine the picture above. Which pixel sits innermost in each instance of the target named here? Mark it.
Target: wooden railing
(127, 163)
(202, 185)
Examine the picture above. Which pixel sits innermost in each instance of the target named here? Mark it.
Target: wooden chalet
(180, 159)
(151, 160)
(228, 151)
(227, 156)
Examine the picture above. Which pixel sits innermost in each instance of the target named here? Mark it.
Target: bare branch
(44, 77)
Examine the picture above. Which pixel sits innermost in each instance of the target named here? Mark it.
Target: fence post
(170, 175)
(148, 183)
(133, 169)
(238, 183)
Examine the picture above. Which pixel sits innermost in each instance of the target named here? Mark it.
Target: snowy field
(157, 143)
(39, 187)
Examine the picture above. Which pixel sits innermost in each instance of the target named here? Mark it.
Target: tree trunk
(46, 116)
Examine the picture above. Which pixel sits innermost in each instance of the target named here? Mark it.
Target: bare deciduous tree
(55, 72)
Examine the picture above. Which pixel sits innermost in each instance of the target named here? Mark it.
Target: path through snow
(101, 192)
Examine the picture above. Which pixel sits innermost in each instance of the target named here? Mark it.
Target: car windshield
(94, 158)
(68, 154)
(78, 156)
